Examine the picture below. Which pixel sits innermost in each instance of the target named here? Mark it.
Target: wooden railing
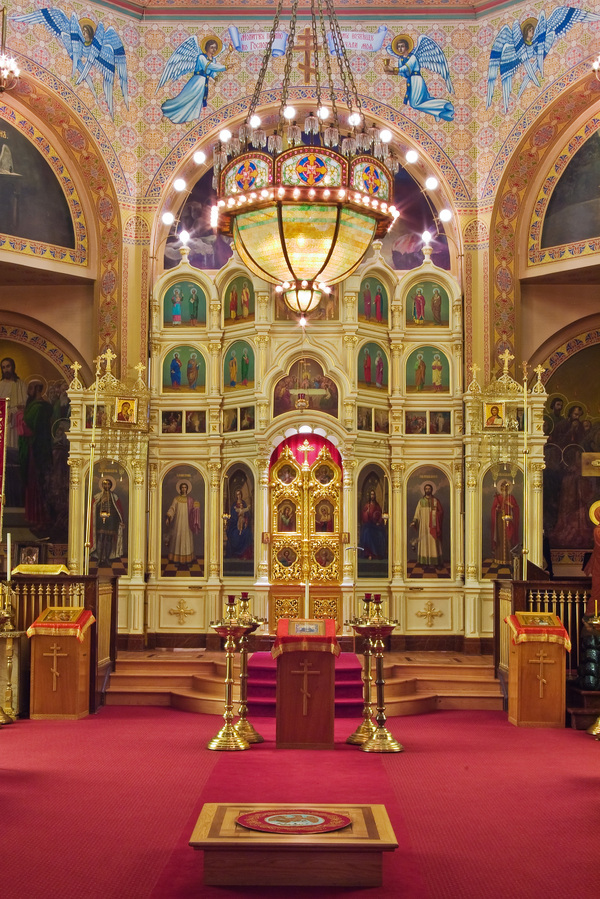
(565, 598)
(34, 593)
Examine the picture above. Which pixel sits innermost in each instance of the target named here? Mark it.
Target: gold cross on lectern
(305, 665)
(54, 668)
(541, 659)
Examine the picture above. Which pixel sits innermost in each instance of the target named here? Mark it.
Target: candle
(8, 556)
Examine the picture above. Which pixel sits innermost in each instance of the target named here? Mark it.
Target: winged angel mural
(90, 46)
(526, 47)
(426, 55)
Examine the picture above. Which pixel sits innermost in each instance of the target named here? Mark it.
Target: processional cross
(305, 665)
(109, 356)
(54, 669)
(306, 448)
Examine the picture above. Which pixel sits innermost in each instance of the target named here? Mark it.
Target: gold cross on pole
(474, 368)
(505, 357)
(54, 667)
(76, 366)
(140, 367)
(305, 665)
(539, 370)
(524, 369)
(541, 659)
(306, 448)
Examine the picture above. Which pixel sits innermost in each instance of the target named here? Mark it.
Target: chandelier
(9, 71)
(304, 203)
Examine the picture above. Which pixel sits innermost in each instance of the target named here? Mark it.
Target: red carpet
(262, 677)
(103, 808)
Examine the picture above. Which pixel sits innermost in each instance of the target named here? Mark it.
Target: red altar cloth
(58, 621)
(522, 633)
(291, 638)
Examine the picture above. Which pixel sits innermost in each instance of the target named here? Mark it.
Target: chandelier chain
(315, 41)
(351, 93)
(265, 61)
(288, 56)
(328, 65)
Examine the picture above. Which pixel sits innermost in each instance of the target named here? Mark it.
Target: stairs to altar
(416, 682)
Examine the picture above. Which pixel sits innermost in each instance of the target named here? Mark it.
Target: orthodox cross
(539, 370)
(306, 448)
(505, 357)
(541, 659)
(524, 370)
(108, 356)
(54, 669)
(304, 44)
(140, 367)
(474, 369)
(429, 613)
(181, 611)
(76, 366)
(305, 665)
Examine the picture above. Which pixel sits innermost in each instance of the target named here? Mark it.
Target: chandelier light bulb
(254, 121)
(289, 112)
(168, 218)
(199, 157)
(426, 237)
(412, 156)
(214, 216)
(286, 285)
(179, 184)
(445, 215)
(354, 119)
(184, 237)
(385, 136)
(279, 289)
(323, 113)
(302, 322)
(224, 135)
(431, 183)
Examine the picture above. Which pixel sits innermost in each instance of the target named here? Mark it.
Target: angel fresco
(526, 46)
(90, 46)
(426, 55)
(201, 61)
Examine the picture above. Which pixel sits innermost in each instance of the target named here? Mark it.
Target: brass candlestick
(7, 632)
(377, 628)
(243, 727)
(231, 629)
(366, 729)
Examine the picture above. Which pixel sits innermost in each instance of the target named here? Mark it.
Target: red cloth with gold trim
(294, 821)
(59, 621)
(535, 633)
(294, 635)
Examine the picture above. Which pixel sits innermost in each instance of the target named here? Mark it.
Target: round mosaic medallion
(294, 820)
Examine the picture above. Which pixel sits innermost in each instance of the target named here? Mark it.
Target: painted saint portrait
(364, 418)
(238, 367)
(439, 422)
(247, 415)
(184, 370)
(382, 421)
(428, 514)
(373, 301)
(238, 503)
(172, 422)
(324, 517)
(501, 504)
(182, 534)
(238, 305)
(195, 421)
(372, 514)
(427, 371)
(415, 422)
(306, 378)
(109, 519)
(286, 516)
(184, 303)
(372, 367)
(427, 305)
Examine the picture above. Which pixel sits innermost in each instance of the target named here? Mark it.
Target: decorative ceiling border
(568, 349)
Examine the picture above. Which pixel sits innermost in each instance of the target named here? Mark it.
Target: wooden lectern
(537, 670)
(60, 663)
(305, 651)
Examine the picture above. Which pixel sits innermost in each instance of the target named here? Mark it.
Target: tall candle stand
(231, 630)
(8, 633)
(366, 729)
(243, 727)
(376, 628)
(591, 624)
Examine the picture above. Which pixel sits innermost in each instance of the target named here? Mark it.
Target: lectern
(537, 670)
(60, 663)
(305, 701)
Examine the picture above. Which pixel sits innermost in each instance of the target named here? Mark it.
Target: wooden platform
(417, 683)
(235, 856)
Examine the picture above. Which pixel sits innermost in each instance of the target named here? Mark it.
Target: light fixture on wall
(304, 204)
(9, 70)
